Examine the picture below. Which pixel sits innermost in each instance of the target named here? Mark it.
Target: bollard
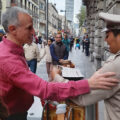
(61, 110)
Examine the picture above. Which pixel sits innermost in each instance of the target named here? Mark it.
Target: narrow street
(87, 69)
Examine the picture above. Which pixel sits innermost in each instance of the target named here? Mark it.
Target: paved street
(87, 69)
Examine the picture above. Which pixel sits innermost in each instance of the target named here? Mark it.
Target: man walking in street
(83, 43)
(66, 42)
(87, 45)
(32, 55)
(71, 43)
(18, 84)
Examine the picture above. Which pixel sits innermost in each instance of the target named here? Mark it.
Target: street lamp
(65, 19)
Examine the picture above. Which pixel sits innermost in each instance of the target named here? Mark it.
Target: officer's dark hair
(116, 32)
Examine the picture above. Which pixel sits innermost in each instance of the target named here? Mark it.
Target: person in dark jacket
(87, 45)
(66, 42)
(58, 51)
(2, 33)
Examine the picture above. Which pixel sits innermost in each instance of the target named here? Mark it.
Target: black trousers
(18, 116)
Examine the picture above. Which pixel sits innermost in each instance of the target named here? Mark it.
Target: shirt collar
(14, 48)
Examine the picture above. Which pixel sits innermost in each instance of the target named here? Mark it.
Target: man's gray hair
(10, 17)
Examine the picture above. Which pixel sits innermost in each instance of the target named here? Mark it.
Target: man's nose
(33, 31)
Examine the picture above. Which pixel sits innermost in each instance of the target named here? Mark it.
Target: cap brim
(110, 18)
(105, 30)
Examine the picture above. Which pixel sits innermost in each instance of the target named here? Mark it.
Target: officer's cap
(112, 21)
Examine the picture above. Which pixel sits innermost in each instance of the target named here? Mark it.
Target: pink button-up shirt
(18, 84)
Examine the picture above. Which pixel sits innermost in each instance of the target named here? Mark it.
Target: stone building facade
(64, 24)
(42, 17)
(52, 19)
(99, 51)
(35, 9)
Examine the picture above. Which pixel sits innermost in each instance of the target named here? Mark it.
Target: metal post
(47, 20)
(65, 21)
(39, 18)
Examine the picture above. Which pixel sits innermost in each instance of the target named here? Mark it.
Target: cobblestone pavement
(82, 62)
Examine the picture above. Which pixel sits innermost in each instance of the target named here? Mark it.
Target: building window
(21, 3)
(13, 1)
(42, 7)
(29, 5)
(25, 4)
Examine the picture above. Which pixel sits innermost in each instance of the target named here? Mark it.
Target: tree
(81, 16)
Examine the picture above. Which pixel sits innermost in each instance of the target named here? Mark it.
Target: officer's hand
(61, 61)
(102, 81)
(55, 71)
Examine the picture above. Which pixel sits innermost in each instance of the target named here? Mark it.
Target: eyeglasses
(58, 37)
(107, 34)
(49, 41)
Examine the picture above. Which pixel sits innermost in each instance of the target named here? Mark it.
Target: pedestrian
(58, 50)
(18, 84)
(83, 43)
(32, 55)
(87, 45)
(44, 42)
(40, 41)
(77, 43)
(71, 42)
(48, 59)
(66, 42)
(1, 34)
(111, 97)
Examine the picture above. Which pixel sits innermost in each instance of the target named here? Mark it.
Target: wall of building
(42, 18)
(3, 6)
(34, 9)
(99, 51)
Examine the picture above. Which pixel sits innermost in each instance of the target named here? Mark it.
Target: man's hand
(61, 61)
(55, 71)
(102, 81)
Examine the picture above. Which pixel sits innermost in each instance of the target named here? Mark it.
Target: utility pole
(47, 19)
(39, 18)
(65, 19)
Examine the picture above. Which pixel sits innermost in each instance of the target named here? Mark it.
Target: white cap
(112, 21)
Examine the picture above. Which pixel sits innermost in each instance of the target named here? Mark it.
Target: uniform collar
(117, 54)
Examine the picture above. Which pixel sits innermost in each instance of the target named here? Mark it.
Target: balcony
(42, 21)
(42, 11)
(35, 1)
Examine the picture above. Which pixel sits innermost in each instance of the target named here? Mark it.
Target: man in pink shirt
(18, 84)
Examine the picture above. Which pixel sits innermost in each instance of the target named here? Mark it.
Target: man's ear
(12, 29)
(118, 38)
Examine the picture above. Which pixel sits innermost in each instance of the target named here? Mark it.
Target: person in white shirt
(32, 55)
(48, 59)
